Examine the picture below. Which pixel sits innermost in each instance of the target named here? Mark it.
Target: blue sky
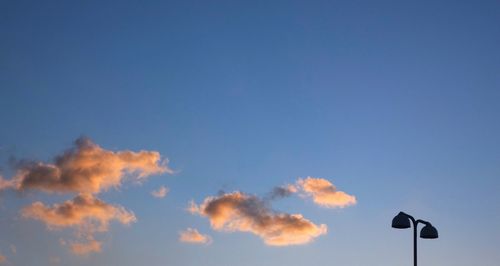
(395, 102)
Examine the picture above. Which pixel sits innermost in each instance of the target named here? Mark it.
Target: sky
(243, 133)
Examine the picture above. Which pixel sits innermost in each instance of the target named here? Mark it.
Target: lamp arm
(423, 222)
(415, 222)
(411, 218)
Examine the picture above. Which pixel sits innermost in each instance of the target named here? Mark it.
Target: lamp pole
(402, 221)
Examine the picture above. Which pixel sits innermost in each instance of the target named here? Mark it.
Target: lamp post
(402, 221)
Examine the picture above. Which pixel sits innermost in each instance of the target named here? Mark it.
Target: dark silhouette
(402, 221)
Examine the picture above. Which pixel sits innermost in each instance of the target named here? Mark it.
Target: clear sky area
(244, 133)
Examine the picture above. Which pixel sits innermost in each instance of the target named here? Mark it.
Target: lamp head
(429, 232)
(401, 221)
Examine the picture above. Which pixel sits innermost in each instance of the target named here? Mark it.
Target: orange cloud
(238, 211)
(161, 192)
(85, 214)
(86, 168)
(324, 193)
(2, 258)
(191, 235)
(83, 211)
(84, 248)
(5, 184)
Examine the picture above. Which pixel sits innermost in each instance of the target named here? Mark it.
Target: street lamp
(402, 221)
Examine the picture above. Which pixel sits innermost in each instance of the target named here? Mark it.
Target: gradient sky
(394, 102)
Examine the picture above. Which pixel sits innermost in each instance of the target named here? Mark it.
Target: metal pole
(414, 243)
(415, 223)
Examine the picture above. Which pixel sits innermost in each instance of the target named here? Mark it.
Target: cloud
(2, 258)
(85, 214)
(84, 248)
(191, 235)
(282, 192)
(161, 192)
(83, 211)
(324, 193)
(6, 184)
(238, 211)
(86, 168)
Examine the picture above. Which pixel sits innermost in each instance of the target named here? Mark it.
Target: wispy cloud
(238, 211)
(191, 235)
(85, 214)
(161, 192)
(84, 211)
(242, 212)
(86, 168)
(282, 192)
(86, 247)
(324, 193)
(7, 184)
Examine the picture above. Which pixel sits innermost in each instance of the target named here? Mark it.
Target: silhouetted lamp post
(402, 221)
